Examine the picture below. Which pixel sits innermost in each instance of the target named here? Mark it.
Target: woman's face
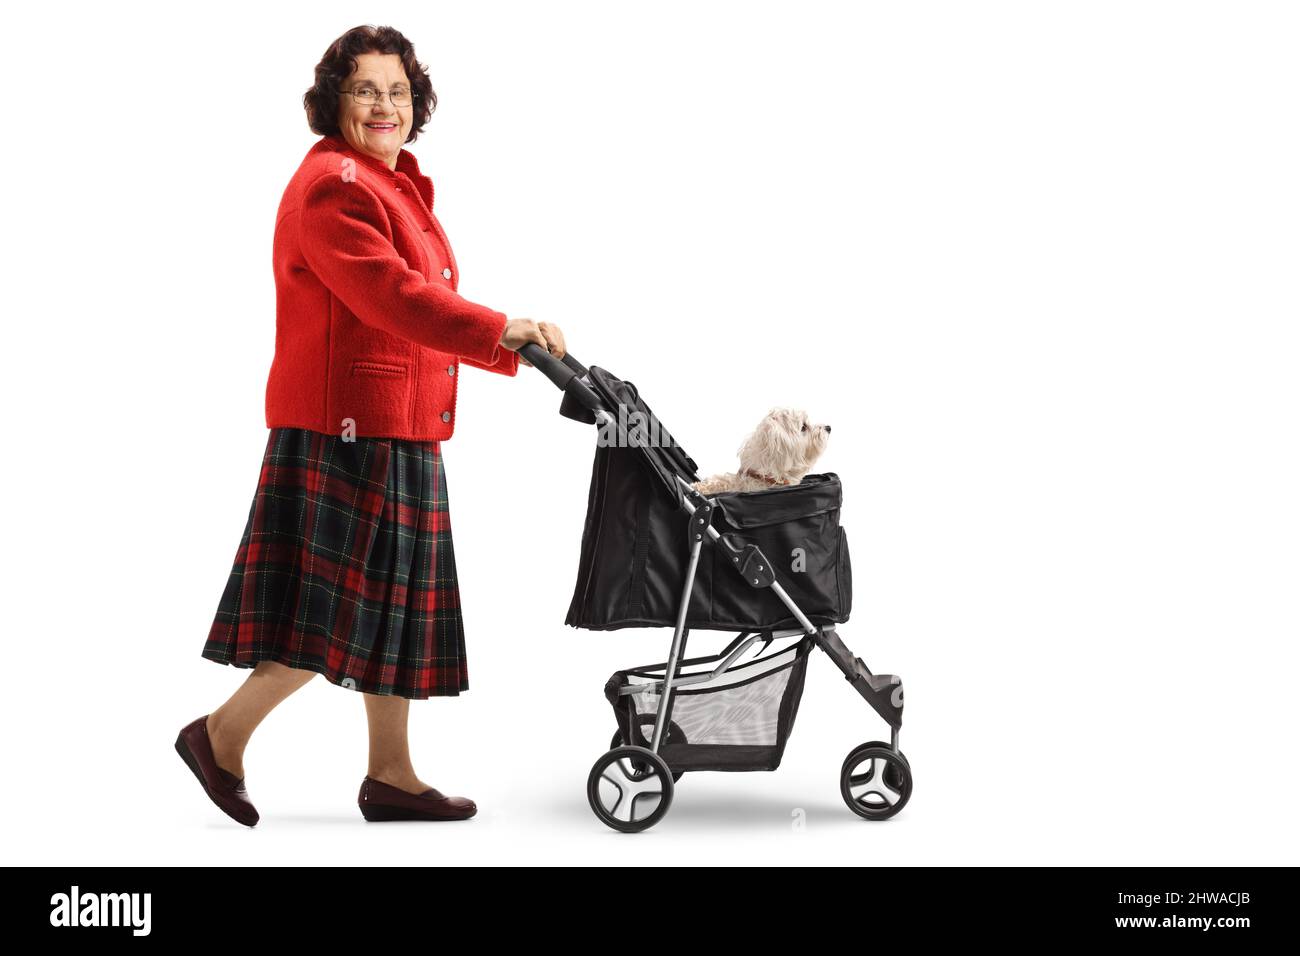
(377, 129)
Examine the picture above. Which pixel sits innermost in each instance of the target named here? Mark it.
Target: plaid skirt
(346, 568)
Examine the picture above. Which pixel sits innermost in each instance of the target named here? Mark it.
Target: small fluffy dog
(780, 451)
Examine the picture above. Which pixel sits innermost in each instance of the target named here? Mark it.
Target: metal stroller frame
(872, 769)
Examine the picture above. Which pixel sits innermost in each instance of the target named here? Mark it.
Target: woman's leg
(231, 724)
(390, 753)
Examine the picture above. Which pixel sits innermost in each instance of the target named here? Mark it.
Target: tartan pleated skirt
(346, 568)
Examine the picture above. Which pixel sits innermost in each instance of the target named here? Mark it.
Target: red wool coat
(369, 326)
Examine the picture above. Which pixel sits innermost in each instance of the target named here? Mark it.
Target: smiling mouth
(381, 127)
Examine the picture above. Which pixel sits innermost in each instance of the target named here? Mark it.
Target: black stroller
(641, 566)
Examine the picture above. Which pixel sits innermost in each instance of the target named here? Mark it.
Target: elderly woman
(346, 566)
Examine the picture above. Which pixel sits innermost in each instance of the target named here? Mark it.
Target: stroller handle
(566, 374)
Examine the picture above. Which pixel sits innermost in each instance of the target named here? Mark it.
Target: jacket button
(446, 273)
(398, 188)
(446, 416)
(451, 370)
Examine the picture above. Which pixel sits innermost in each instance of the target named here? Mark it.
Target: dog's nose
(828, 429)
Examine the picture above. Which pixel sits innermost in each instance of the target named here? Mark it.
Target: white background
(1035, 262)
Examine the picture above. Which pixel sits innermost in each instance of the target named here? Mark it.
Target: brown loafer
(379, 801)
(225, 789)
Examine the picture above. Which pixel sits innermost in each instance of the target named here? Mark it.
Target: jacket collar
(406, 163)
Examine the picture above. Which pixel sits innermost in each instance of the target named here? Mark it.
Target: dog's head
(785, 445)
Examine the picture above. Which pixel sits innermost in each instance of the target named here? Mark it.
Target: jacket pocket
(374, 395)
(377, 368)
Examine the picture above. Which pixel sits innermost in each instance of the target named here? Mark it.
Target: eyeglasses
(367, 95)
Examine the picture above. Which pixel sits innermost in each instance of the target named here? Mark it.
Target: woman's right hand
(519, 332)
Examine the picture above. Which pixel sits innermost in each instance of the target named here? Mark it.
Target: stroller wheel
(874, 781)
(892, 776)
(627, 798)
(646, 723)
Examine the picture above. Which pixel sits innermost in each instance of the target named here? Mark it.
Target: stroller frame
(871, 769)
(877, 689)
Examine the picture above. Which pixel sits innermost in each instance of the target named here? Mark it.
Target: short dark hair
(322, 100)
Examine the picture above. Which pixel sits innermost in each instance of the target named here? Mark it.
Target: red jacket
(368, 324)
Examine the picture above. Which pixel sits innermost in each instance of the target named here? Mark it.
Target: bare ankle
(402, 778)
(230, 755)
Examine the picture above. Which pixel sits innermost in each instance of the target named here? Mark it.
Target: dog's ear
(773, 447)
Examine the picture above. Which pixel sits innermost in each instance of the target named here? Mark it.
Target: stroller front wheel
(630, 789)
(875, 781)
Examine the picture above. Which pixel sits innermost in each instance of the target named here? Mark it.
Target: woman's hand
(519, 332)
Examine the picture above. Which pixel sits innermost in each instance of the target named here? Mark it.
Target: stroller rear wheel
(646, 723)
(875, 781)
(627, 798)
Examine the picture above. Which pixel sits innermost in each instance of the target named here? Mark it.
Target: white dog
(781, 450)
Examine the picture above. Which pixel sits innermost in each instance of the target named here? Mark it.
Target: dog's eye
(805, 427)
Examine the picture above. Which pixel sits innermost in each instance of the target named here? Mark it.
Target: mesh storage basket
(738, 720)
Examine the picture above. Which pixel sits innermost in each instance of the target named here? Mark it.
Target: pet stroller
(642, 564)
